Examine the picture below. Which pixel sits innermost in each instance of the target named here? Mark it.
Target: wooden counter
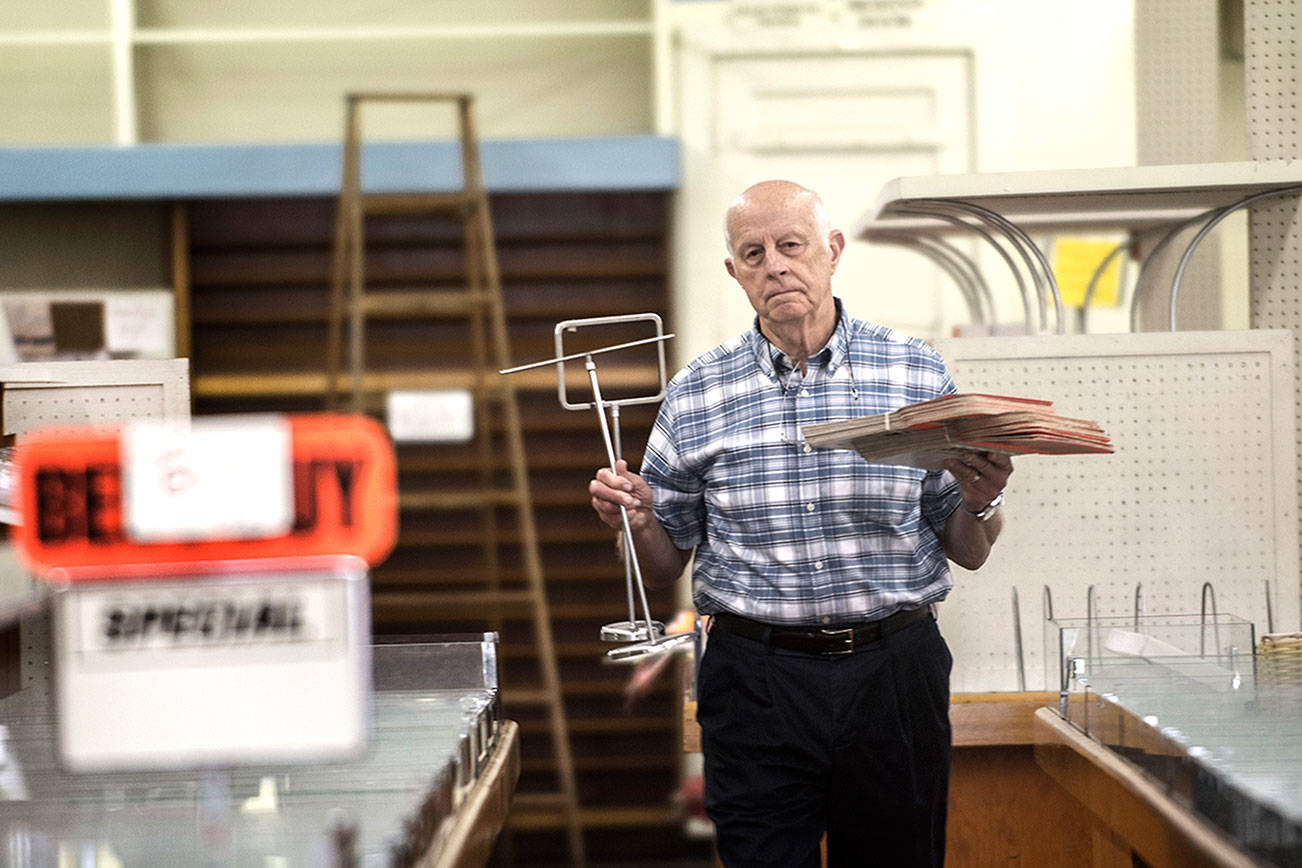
(1133, 815)
(466, 841)
(1028, 789)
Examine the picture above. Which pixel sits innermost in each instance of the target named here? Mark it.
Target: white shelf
(1121, 198)
(231, 35)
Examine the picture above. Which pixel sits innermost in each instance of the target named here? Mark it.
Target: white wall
(1053, 87)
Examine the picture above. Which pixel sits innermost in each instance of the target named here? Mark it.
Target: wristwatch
(991, 508)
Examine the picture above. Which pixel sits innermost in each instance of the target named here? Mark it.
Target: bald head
(776, 196)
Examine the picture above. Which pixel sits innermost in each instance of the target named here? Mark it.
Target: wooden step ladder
(480, 305)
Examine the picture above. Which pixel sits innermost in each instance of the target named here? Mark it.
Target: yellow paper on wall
(1074, 263)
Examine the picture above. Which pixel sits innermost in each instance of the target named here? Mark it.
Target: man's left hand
(981, 477)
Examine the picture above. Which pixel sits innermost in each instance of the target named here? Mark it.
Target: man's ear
(727, 264)
(836, 243)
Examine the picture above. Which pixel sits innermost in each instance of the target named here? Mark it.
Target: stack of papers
(926, 433)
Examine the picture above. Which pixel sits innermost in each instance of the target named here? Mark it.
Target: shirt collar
(773, 361)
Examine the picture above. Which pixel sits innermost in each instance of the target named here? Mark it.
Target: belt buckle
(846, 634)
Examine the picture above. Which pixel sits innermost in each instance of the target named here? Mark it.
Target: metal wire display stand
(645, 636)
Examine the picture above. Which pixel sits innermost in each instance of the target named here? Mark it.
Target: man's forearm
(967, 541)
(660, 561)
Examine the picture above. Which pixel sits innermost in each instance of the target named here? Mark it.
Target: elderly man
(824, 690)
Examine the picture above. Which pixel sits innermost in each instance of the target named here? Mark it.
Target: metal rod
(1270, 611)
(630, 551)
(1139, 603)
(1208, 590)
(1046, 606)
(1017, 642)
(628, 562)
(1090, 601)
(586, 355)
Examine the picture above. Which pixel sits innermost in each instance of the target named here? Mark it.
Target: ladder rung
(480, 599)
(460, 499)
(417, 302)
(540, 800)
(529, 696)
(419, 203)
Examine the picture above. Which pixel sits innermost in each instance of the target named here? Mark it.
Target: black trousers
(857, 746)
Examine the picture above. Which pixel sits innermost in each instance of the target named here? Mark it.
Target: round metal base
(633, 653)
(631, 631)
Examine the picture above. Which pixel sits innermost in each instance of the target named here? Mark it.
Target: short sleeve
(679, 490)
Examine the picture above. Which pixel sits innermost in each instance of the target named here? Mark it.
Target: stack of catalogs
(1279, 660)
(926, 433)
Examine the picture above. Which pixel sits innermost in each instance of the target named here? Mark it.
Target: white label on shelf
(139, 324)
(431, 416)
(220, 478)
(195, 670)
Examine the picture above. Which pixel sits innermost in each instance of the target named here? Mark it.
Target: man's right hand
(610, 491)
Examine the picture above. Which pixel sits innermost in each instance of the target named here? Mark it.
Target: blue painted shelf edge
(191, 171)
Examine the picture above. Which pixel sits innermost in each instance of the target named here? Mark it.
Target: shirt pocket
(876, 496)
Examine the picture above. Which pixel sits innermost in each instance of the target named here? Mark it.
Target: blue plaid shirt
(786, 533)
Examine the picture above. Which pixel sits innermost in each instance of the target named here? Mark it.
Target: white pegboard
(1202, 488)
(42, 394)
(1270, 40)
(1176, 81)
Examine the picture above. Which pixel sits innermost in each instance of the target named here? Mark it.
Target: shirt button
(809, 507)
(827, 619)
(804, 393)
(818, 565)
(808, 449)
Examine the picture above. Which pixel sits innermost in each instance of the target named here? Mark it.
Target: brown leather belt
(830, 642)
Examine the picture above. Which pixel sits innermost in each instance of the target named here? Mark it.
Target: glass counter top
(1188, 700)
(382, 808)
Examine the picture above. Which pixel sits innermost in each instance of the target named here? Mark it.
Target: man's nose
(773, 262)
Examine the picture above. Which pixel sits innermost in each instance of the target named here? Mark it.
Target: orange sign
(70, 497)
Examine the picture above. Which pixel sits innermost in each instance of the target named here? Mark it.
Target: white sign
(219, 478)
(200, 670)
(431, 416)
(139, 324)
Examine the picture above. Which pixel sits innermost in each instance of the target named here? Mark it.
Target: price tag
(431, 416)
(223, 478)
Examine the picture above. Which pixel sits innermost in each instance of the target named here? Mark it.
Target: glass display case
(435, 723)
(1205, 712)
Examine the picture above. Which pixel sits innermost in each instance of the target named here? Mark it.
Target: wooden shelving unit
(259, 293)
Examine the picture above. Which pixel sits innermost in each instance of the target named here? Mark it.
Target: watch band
(990, 508)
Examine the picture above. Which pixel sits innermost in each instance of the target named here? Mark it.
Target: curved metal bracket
(1029, 251)
(957, 269)
(1093, 285)
(1153, 255)
(1202, 233)
(981, 230)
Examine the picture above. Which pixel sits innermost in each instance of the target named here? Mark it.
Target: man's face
(781, 259)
